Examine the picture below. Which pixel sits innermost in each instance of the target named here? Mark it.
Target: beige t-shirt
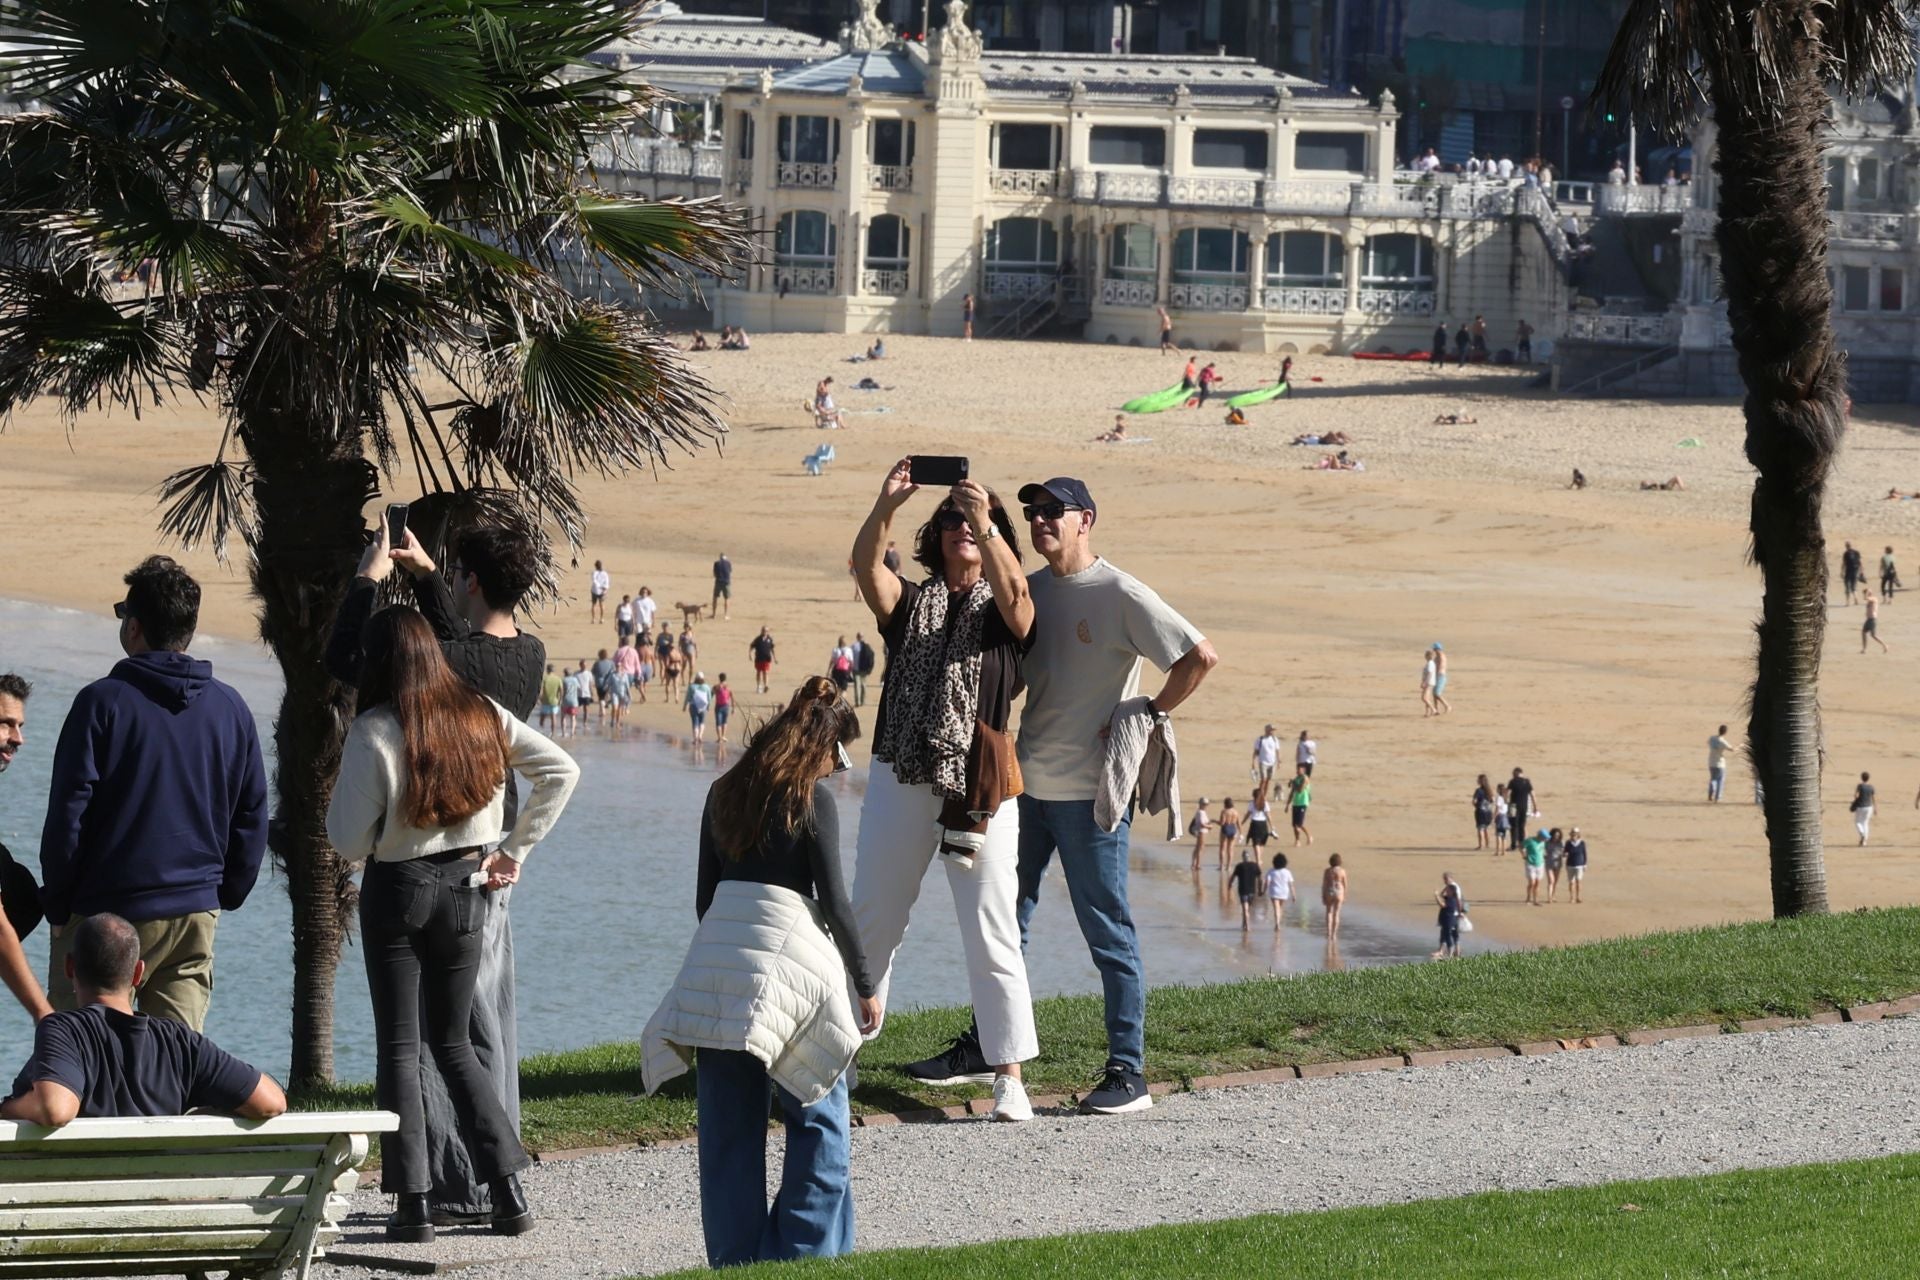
(1090, 631)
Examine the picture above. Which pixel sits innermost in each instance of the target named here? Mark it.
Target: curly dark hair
(926, 543)
(505, 560)
(165, 600)
(15, 686)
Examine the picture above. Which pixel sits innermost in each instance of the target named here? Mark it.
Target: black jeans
(420, 923)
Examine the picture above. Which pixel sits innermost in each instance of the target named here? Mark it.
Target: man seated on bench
(103, 1059)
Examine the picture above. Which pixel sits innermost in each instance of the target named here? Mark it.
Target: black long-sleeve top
(806, 861)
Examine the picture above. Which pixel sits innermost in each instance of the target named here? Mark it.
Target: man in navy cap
(1093, 624)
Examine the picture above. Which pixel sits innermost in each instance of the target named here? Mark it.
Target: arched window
(804, 246)
(1209, 253)
(1133, 252)
(1022, 244)
(1397, 261)
(1305, 260)
(887, 255)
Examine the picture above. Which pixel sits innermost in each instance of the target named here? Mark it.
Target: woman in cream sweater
(420, 794)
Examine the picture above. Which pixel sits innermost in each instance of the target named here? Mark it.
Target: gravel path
(1681, 1107)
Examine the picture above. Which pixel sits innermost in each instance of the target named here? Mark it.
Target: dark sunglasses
(1046, 510)
(120, 610)
(947, 519)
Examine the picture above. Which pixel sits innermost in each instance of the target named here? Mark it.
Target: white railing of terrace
(1396, 302)
(1304, 300)
(1231, 193)
(802, 279)
(1612, 198)
(1018, 284)
(1890, 227)
(890, 177)
(1307, 195)
(890, 281)
(1117, 291)
(1198, 296)
(1639, 329)
(1024, 182)
(799, 173)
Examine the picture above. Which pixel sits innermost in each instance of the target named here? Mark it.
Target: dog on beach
(689, 613)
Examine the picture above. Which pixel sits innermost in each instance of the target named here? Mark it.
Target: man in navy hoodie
(157, 809)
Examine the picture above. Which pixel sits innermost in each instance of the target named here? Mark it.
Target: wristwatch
(989, 533)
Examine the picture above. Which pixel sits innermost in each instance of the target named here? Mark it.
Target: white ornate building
(1260, 209)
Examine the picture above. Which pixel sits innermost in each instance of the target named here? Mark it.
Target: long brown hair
(773, 781)
(456, 746)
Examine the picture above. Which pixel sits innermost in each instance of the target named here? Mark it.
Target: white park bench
(179, 1195)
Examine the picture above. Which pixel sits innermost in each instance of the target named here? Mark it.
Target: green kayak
(1260, 396)
(1159, 400)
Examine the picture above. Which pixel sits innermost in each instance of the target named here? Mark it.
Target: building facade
(1260, 209)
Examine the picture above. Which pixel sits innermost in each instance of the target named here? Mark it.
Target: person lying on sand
(1454, 420)
(1335, 462)
(1904, 497)
(1116, 436)
(1673, 482)
(1579, 479)
(1331, 437)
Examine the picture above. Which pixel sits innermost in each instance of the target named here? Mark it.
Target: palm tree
(1763, 66)
(345, 223)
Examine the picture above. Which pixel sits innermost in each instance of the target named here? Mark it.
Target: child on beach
(722, 706)
(1116, 436)
(1500, 821)
(1453, 906)
(1229, 825)
(549, 699)
(1259, 822)
(1197, 828)
(1333, 893)
(1246, 882)
(1279, 888)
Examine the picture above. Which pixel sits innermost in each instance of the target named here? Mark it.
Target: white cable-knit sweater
(367, 816)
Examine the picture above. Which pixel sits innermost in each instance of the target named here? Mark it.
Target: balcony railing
(1117, 291)
(1118, 188)
(1304, 300)
(802, 279)
(890, 177)
(1403, 199)
(1870, 226)
(801, 173)
(1232, 193)
(1018, 284)
(1308, 196)
(1389, 303)
(891, 281)
(1024, 182)
(1639, 329)
(1197, 296)
(1618, 198)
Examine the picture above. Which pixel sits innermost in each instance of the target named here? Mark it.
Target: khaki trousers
(179, 957)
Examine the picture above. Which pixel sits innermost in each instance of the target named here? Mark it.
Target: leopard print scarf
(933, 690)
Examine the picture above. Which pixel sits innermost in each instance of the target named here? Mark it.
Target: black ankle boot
(511, 1216)
(412, 1220)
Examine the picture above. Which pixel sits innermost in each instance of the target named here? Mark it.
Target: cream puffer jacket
(761, 976)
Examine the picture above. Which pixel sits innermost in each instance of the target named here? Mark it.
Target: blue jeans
(1095, 864)
(812, 1214)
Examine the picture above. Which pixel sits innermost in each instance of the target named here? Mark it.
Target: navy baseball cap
(1061, 489)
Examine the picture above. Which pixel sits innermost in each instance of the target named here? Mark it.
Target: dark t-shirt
(723, 572)
(1246, 877)
(1519, 798)
(1576, 853)
(1850, 562)
(763, 648)
(1863, 796)
(1000, 659)
(128, 1064)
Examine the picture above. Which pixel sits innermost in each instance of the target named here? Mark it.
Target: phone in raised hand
(396, 524)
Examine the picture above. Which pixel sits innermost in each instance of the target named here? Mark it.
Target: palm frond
(208, 504)
(654, 242)
(80, 346)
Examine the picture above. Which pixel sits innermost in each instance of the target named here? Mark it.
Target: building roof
(1206, 78)
(703, 53)
(880, 71)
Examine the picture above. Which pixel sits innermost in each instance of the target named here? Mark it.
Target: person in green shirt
(549, 698)
(1299, 796)
(1535, 855)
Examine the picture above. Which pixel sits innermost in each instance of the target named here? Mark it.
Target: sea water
(604, 909)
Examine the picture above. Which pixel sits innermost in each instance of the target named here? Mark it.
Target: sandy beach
(1597, 637)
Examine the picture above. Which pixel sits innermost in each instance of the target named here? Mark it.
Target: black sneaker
(1121, 1089)
(962, 1063)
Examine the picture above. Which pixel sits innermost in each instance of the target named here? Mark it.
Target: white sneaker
(1010, 1100)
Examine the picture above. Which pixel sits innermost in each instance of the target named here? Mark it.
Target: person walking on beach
(957, 643)
(722, 708)
(1534, 856)
(1246, 883)
(1229, 832)
(1717, 748)
(760, 649)
(157, 804)
(1862, 807)
(1576, 864)
(1502, 808)
(698, 700)
(1094, 624)
(1440, 704)
(1209, 378)
(770, 867)
(1427, 674)
(599, 585)
(623, 619)
(1851, 570)
(1333, 893)
(1279, 889)
(1190, 376)
(1305, 753)
(644, 608)
(421, 798)
(1483, 813)
(1266, 756)
(840, 664)
(550, 700)
(722, 588)
(1259, 821)
(1438, 356)
(1870, 629)
(1524, 343)
(1889, 574)
(1197, 827)
(24, 904)
(864, 661)
(966, 318)
(1462, 340)
(1556, 861)
(1521, 805)
(1299, 796)
(1453, 905)
(1166, 332)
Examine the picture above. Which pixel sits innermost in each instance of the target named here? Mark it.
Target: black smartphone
(936, 469)
(396, 524)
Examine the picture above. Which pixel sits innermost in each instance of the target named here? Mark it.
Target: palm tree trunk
(1773, 246)
(308, 492)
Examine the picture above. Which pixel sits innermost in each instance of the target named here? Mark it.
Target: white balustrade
(802, 279)
(1622, 198)
(1117, 291)
(1232, 193)
(1870, 226)
(1130, 188)
(1018, 284)
(1303, 300)
(1416, 200)
(1024, 182)
(891, 281)
(1193, 296)
(1308, 197)
(706, 164)
(1637, 328)
(798, 173)
(890, 177)
(1389, 303)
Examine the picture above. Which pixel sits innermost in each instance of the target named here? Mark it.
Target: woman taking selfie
(761, 998)
(944, 777)
(420, 792)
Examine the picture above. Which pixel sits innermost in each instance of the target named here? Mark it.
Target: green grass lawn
(1770, 968)
(1853, 1219)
